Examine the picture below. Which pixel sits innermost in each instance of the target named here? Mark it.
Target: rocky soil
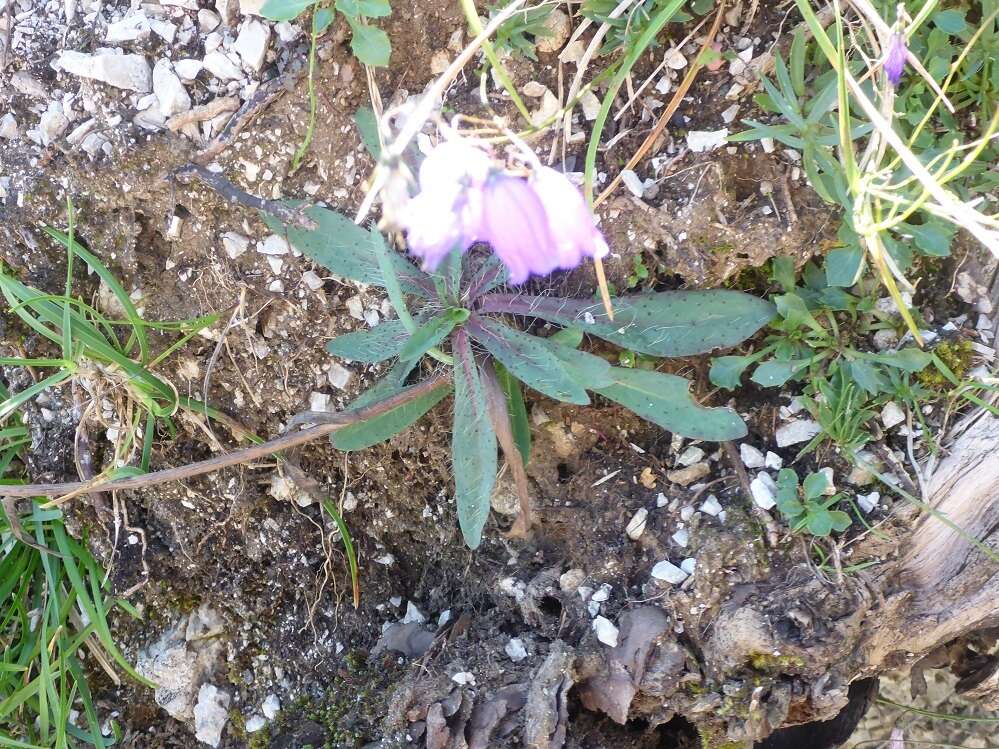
(248, 623)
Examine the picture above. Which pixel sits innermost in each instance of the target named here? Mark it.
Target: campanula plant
(461, 309)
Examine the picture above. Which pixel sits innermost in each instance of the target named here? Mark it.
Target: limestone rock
(130, 72)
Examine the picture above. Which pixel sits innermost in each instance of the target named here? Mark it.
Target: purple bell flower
(447, 212)
(573, 228)
(894, 64)
(535, 225)
(515, 223)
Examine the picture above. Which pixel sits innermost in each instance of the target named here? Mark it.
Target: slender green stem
(472, 16)
(310, 129)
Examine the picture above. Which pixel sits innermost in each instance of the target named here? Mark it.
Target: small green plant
(626, 28)
(369, 44)
(807, 507)
(118, 365)
(521, 33)
(463, 308)
(897, 167)
(53, 608)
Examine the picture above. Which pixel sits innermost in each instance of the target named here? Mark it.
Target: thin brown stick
(334, 422)
(208, 111)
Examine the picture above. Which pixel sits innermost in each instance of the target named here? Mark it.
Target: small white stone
(188, 69)
(730, 114)
(208, 20)
(515, 650)
(413, 614)
(773, 461)
(867, 502)
(691, 455)
(130, 72)
(131, 28)
(319, 401)
(8, 126)
(633, 183)
(606, 631)
(764, 491)
(163, 29)
(687, 512)
(271, 706)
(251, 44)
(464, 678)
(53, 123)
(711, 506)
(795, 432)
(636, 526)
(661, 500)
(681, 537)
(602, 594)
(706, 140)
(211, 713)
(830, 483)
(287, 32)
(751, 457)
(254, 723)
(235, 244)
(274, 244)
(590, 105)
(892, 415)
(170, 92)
(311, 279)
(675, 60)
(339, 376)
(688, 565)
(570, 580)
(355, 307)
(222, 67)
(669, 572)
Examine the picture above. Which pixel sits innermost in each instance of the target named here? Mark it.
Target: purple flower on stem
(894, 64)
(535, 225)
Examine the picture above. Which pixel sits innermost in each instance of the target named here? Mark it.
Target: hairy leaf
(427, 336)
(529, 359)
(348, 250)
(588, 370)
(382, 342)
(908, 359)
(473, 444)
(664, 399)
(667, 323)
(370, 44)
(726, 371)
(380, 428)
(519, 422)
(776, 373)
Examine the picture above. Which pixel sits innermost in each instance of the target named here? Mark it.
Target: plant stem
(476, 26)
(332, 422)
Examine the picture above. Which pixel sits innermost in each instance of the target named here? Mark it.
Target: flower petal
(433, 225)
(895, 58)
(572, 224)
(454, 162)
(515, 224)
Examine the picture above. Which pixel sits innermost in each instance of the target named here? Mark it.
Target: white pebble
(691, 455)
(764, 491)
(795, 432)
(711, 506)
(868, 502)
(751, 457)
(636, 526)
(665, 570)
(606, 631)
(464, 678)
(273, 245)
(892, 415)
(688, 565)
(254, 724)
(773, 461)
(515, 650)
(681, 537)
(271, 706)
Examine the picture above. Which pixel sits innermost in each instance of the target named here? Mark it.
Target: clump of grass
(54, 628)
(111, 359)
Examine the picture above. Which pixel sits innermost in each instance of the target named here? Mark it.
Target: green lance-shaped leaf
(427, 336)
(667, 323)
(664, 399)
(517, 410)
(587, 369)
(726, 371)
(382, 342)
(529, 359)
(775, 373)
(349, 250)
(473, 444)
(380, 428)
